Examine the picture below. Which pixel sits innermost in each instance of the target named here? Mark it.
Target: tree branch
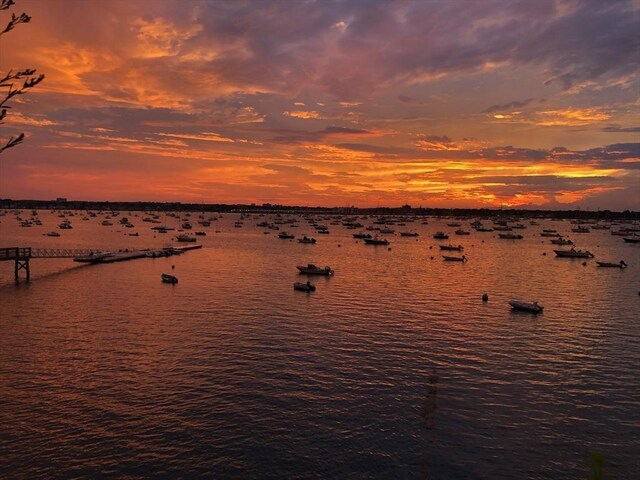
(13, 141)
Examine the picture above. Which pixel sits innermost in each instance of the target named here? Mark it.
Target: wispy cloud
(508, 106)
(330, 102)
(305, 115)
(205, 136)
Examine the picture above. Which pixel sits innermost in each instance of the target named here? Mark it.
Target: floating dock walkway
(22, 255)
(121, 256)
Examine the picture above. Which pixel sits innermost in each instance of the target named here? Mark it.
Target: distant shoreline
(9, 204)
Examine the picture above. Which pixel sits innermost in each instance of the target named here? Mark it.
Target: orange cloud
(571, 117)
(306, 115)
(206, 137)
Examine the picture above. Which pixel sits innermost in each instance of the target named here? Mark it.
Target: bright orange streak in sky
(272, 102)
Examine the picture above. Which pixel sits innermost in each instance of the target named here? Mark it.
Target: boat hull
(304, 287)
(612, 265)
(166, 278)
(573, 254)
(326, 271)
(521, 306)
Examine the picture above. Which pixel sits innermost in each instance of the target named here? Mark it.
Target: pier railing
(13, 253)
(23, 253)
(60, 252)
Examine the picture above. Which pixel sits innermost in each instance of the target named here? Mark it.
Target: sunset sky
(465, 103)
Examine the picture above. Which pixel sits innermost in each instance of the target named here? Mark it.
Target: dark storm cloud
(297, 137)
(619, 129)
(620, 155)
(508, 106)
(548, 183)
(352, 48)
(290, 169)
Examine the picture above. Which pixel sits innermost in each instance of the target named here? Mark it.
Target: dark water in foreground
(106, 372)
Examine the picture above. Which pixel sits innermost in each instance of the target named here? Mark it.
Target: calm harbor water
(107, 372)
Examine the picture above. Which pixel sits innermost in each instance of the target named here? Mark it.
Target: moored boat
(455, 248)
(311, 269)
(166, 278)
(573, 253)
(620, 264)
(304, 287)
(93, 257)
(285, 235)
(306, 239)
(532, 307)
(440, 236)
(580, 229)
(448, 258)
(510, 236)
(185, 238)
(376, 241)
(561, 241)
(361, 235)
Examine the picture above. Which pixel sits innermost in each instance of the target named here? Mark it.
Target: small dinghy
(448, 258)
(311, 269)
(304, 287)
(306, 239)
(166, 278)
(573, 253)
(455, 248)
(621, 264)
(532, 307)
(376, 241)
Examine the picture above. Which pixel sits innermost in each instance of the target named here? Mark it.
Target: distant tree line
(269, 208)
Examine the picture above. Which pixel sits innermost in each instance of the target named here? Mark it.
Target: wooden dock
(22, 255)
(124, 255)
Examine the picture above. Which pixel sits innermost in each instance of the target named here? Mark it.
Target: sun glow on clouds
(20, 119)
(206, 136)
(159, 37)
(306, 115)
(336, 103)
(572, 117)
(567, 117)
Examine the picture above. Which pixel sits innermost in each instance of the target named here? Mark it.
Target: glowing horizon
(445, 104)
